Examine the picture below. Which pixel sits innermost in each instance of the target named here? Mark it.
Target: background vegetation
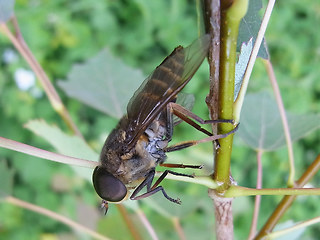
(142, 33)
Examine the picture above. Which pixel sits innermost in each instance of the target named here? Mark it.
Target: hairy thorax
(133, 166)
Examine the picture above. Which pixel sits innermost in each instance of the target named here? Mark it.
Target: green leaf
(295, 234)
(6, 10)
(241, 66)
(65, 144)
(261, 126)
(104, 83)
(6, 179)
(249, 27)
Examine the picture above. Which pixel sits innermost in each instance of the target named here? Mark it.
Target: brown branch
(124, 213)
(284, 120)
(212, 16)
(223, 214)
(178, 228)
(147, 225)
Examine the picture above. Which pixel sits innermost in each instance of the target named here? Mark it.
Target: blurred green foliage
(142, 33)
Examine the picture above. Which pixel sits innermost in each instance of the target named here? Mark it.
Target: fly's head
(107, 186)
(105, 177)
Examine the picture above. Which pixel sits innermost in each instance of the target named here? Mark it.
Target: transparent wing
(163, 85)
(185, 100)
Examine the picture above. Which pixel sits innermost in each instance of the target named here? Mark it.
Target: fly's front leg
(146, 182)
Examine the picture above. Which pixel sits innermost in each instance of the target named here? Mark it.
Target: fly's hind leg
(169, 132)
(187, 117)
(177, 165)
(186, 144)
(156, 188)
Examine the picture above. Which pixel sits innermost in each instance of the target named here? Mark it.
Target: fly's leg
(169, 132)
(177, 165)
(187, 116)
(146, 182)
(169, 127)
(105, 205)
(155, 188)
(186, 144)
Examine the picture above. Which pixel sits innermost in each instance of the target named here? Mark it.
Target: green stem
(230, 20)
(237, 191)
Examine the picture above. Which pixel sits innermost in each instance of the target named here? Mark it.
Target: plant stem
(230, 20)
(212, 24)
(18, 41)
(304, 224)
(55, 216)
(178, 228)
(40, 153)
(237, 191)
(202, 180)
(257, 202)
(220, 99)
(276, 90)
(123, 211)
(223, 214)
(147, 224)
(288, 200)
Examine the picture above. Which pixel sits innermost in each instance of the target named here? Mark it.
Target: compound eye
(107, 186)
